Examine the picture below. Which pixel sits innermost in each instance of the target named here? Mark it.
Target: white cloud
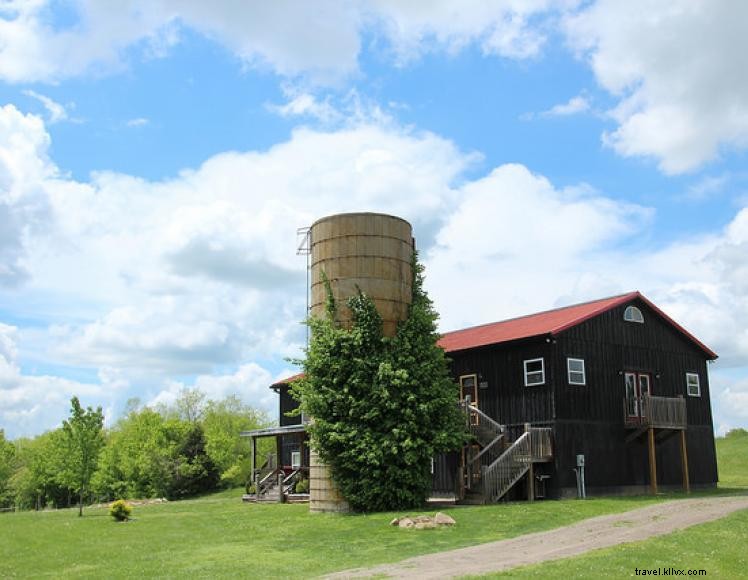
(56, 111)
(502, 28)
(31, 403)
(516, 244)
(138, 122)
(676, 68)
(574, 106)
(25, 171)
(197, 275)
(250, 382)
(319, 40)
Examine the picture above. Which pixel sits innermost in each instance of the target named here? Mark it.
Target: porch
(657, 418)
(282, 475)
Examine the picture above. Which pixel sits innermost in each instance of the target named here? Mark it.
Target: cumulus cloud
(197, 275)
(25, 170)
(675, 68)
(515, 244)
(319, 40)
(250, 382)
(30, 403)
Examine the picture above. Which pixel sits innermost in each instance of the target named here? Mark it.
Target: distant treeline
(174, 451)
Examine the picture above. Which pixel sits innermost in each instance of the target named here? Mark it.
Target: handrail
(511, 465)
(488, 447)
(468, 408)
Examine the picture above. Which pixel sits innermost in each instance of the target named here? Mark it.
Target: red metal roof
(287, 380)
(550, 323)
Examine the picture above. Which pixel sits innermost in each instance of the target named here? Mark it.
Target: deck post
(253, 455)
(531, 470)
(652, 461)
(684, 462)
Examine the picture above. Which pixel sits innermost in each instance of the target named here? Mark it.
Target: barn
(606, 397)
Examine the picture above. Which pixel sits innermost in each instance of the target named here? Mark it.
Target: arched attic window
(633, 314)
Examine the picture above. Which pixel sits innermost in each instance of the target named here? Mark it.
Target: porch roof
(274, 431)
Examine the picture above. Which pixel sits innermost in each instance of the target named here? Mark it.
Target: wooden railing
(658, 412)
(541, 445)
(533, 445)
(481, 426)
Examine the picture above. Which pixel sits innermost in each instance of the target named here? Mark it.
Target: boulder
(444, 519)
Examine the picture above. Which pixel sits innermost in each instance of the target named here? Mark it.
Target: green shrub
(302, 486)
(120, 510)
(251, 488)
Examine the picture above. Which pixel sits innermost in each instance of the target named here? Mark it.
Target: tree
(7, 459)
(222, 422)
(84, 438)
(382, 407)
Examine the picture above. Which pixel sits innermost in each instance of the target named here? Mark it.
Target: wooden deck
(656, 412)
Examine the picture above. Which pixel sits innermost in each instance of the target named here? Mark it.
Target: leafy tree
(138, 458)
(84, 438)
(41, 473)
(7, 467)
(222, 422)
(194, 471)
(382, 407)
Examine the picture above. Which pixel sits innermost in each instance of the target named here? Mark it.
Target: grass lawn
(219, 536)
(732, 458)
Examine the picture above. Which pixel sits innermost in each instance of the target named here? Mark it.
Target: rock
(426, 525)
(444, 519)
(406, 523)
(395, 522)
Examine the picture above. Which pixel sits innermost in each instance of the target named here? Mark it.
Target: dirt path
(590, 534)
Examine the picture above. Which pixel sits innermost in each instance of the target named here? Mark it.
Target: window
(575, 368)
(633, 314)
(693, 388)
(295, 459)
(534, 372)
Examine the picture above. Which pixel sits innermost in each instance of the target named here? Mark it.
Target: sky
(157, 158)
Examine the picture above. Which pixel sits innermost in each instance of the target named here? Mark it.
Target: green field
(219, 536)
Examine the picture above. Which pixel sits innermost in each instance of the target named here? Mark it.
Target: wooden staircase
(533, 446)
(492, 464)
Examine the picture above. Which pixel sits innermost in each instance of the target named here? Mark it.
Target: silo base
(324, 495)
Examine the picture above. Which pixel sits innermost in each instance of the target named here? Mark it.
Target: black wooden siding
(506, 399)
(287, 403)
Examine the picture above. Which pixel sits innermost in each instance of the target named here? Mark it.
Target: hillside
(732, 458)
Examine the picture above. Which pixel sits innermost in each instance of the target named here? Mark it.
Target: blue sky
(157, 157)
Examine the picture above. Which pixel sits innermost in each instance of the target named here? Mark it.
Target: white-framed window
(575, 371)
(295, 459)
(633, 314)
(534, 372)
(693, 388)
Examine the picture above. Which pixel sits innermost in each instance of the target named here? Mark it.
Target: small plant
(251, 488)
(302, 486)
(120, 510)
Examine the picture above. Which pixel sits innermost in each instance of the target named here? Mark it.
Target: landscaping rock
(444, 519)
(423, 522)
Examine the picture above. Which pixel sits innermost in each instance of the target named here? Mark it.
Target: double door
(638, 386)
